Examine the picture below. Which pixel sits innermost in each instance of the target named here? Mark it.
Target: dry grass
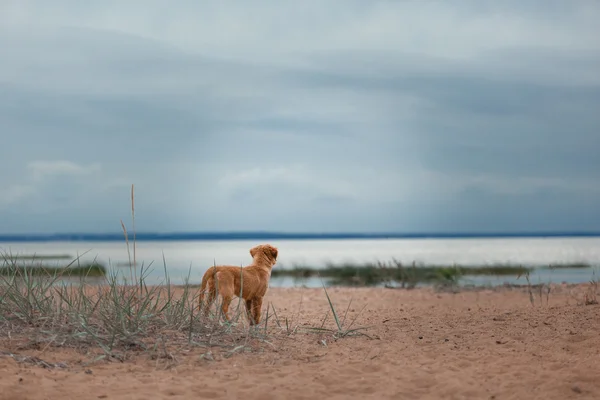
(116, 320)
(113, 317)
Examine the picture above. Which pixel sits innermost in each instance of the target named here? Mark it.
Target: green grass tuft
(371, 274)
(91, 269)
(575, 265)
(39, 257)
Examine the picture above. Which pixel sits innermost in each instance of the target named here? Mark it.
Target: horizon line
(281, 235)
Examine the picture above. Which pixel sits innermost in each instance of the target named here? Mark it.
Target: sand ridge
(485, 344)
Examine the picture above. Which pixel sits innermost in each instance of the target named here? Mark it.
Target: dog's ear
(253, 252)
(273, 251)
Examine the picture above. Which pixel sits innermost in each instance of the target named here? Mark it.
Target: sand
(423, 345)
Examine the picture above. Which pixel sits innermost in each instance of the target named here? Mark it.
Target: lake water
(194, 257)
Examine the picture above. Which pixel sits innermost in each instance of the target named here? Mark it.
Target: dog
(250, 283)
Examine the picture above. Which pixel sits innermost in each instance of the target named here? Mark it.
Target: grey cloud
(266, 122)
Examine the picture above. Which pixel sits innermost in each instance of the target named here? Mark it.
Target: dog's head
(264, 252)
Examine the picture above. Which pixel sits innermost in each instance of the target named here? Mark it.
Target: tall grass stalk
(128, 252)
(133, 276)
(134, 231)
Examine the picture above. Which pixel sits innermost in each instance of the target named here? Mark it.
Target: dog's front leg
(249, 310)
(256, 306)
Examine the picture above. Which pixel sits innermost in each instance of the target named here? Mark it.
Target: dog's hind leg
(207, 297)
(225, 286)
(225, 307)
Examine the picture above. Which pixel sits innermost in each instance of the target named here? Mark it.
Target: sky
(311, 116)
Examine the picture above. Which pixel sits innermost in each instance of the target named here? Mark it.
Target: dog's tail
(207, 287)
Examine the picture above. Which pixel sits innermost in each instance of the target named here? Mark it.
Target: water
(194, 257)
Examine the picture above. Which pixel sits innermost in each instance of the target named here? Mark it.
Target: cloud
(15, 193)
(43, 169)
(271, 182)
(59, 184)
(301, 116)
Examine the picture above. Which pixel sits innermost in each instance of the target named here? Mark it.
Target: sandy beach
(421, 344)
